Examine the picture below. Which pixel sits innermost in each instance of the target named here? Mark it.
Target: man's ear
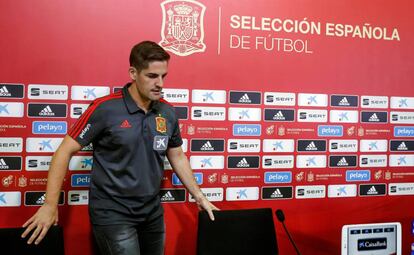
(133, 73)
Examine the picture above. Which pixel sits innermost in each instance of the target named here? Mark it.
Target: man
(131, 131)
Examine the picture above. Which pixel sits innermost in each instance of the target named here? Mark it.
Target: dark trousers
(146, 238)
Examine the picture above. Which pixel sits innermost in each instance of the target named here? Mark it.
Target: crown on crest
(183, 9)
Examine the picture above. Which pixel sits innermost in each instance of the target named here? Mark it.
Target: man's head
(148, 68)
(145, 52)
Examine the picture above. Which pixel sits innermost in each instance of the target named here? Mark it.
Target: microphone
(281, 217)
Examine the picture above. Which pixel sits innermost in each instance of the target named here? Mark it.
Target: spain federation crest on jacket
(161, 124)
(182, 30)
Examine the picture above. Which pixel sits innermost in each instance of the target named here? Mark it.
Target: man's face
(151, 80)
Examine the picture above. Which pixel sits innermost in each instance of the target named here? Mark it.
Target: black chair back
(237, 232)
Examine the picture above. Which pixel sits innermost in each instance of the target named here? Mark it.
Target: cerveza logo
(182, 29)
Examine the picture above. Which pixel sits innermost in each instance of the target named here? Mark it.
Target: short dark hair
(145, 52)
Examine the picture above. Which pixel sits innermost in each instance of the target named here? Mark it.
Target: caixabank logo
(182, 29)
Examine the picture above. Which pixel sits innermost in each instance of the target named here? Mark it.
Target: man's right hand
(40, 222)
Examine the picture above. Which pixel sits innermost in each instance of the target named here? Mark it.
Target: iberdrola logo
(182, 30)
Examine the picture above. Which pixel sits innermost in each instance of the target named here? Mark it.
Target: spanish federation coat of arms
(182, 27)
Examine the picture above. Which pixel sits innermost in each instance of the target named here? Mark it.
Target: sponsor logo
(395, 189)
(358, 175)
(272, 162)
(88, 93)
(327, 130)
(172, 195)
(278, 145)
(373, 161)
(402, 145)
(240, 97)
(80, 163)
(11, 90)
(181, 112)
(372, 189)
(311, 145)
(245, 114)
(344, 190)
(374, 117)
(243, 145)
(212, 194)
(38, 198)
(160, 143)
(373, 145)
(208, 113)
(247, 129)
(404, 131)
(270, 193)
(182, 29)
(88, 147)
(314, 161)
(208, 96)
(283, 99)
(10, 199)
(312, 115)
(243, 162)
(242, 193)
(49, 127)
(9, 163)
(344, 101)
(76, 110)
(78, 197)
(342, 161)
(46, 110)
(85, 130)
(279, 115)
(402, 102)
(176, 95)
(315, 191)
(369, 244)
(374, 102)
(312, 99)
(80, 180)
(207, 162)
(402, 117)
(38, 163)
(212, 145)
(125, 124)
(11, 144)
(337, 116)
(197, 176)
(399, 160)
(53, 92)
(278, 177)
(343, 145)
(11, 109)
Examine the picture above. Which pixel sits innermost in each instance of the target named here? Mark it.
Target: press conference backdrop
(302, 105)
